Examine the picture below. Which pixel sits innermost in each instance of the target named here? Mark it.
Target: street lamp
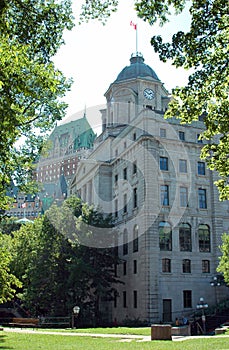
(201, 306)
(75, 313)
(217, 281)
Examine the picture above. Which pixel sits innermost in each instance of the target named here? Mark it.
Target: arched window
(125, 242)
(185, 238)
(165, 236)
(135, 239)
(204, 238)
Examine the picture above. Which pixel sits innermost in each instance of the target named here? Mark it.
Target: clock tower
(136, 87)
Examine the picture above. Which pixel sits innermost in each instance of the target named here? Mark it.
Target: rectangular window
(135, 267)
(124, 299)
(201, 168)
(124, 268)
(182, 135)
(163, 163)
(134, 136)
(135, 197)
(135, 299)
(183, 197)
(187, 298)
(186, 266)
(163, 132)
(198, 139)
(125, 203)
(125, 242)
(165, 236)
(202, 198)
(125, 173)
(116, 208)
(134, 168)
(166, 265)
(116, 179)
(164, 194)
(182, 165)
(205, 266)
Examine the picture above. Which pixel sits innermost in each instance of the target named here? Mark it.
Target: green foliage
(30, 85)
(8, 281)
(98, 9)
(56, 270)
(224, 259)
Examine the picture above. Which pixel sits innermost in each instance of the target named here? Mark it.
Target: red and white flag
(23, 205)
(134, 25)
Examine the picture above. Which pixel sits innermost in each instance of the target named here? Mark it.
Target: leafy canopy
(224, 259)
(30, 86)
(204, 50)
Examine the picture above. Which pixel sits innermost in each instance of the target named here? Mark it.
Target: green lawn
(107, 330)
(23, 341)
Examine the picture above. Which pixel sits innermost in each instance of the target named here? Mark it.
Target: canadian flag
(23, 205)
(133, 25)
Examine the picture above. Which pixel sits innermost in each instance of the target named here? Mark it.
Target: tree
(204, 50)
(8, 281)
(224, 259)
(56, 270)
(30, 86)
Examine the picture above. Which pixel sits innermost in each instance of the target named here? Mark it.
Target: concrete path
(122, 337)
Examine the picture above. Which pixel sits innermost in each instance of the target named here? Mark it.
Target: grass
(26, 341)
(107, 330)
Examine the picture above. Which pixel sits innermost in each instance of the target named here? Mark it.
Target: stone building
(146, 171)
(68, 143)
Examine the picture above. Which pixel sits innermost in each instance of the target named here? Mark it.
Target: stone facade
(146, 171)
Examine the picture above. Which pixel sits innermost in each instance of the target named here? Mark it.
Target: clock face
(149, 94)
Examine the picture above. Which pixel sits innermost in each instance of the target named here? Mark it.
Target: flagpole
(136, 39)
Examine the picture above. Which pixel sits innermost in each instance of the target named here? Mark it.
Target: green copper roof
(77, 132)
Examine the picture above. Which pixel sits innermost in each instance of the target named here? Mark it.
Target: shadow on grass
(2, 340)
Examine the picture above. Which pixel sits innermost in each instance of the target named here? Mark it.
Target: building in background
(67, 144)
(146, 171)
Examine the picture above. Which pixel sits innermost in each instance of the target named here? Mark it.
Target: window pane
(185, 238)
(202, 198)
(125, 242)
(166, 265)
(125, 203)
(163, 163)
(125, 173)
(201, 168)
(164, 194)
(181, 135)
(135, 299)
(165, 236)
(182, 165)
(183, 196)
(163, 132)
(187, 298)
(135, 198)
(205, 266)
(186, 266)
(135, 239)
(204, 238)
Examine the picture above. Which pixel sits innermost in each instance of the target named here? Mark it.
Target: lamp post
(217, 281)
(75, 313)
(201, 306)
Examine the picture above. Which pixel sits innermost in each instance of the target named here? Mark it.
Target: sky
(94, 54)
